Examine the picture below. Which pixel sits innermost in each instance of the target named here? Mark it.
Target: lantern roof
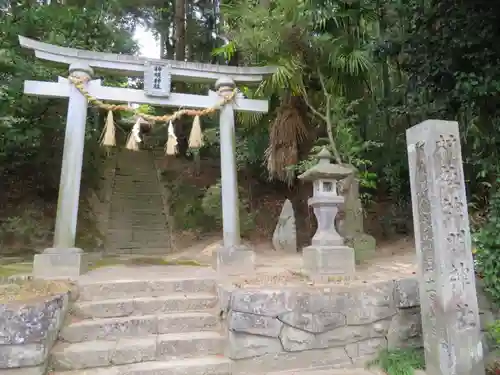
(324, 169)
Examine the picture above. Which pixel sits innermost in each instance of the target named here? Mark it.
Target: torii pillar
(64, 260)
(232, 257)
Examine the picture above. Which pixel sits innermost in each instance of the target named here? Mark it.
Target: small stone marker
(285, 234)
(449, 308)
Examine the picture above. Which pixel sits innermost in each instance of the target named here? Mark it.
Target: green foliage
(494, 334)
(32, 128)
(27, 230)
(400, 361)
(212, 207)
(352, 148)
(185, 205)
(487, 257)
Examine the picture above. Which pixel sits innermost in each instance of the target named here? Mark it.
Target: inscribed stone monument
(449, 308)
(285, 234)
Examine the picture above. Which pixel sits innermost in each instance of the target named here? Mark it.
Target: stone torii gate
(63, 260)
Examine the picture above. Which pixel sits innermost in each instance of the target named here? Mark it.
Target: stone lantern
(327, 255)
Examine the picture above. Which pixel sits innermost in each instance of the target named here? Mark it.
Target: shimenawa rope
(108, 137)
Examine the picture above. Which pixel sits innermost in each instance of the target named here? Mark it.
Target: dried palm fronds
(287, 131)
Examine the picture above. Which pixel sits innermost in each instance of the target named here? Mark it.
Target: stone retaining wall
(282, 329)
(27, 333)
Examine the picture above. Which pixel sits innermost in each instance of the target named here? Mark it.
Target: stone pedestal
(59, 263)
(323, 262)
(234, 260)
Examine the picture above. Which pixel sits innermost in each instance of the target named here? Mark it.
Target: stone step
(137, 245)
(131, 243)
(155, 227)
(138, 204)
(210, 365)
(125, 201)
(336, 371)
(126, 248)
(330, 371)
(115, 328)
(131, 193)
(124, 351)
(113, 308)
(138, 231)
(132, 288)
(139, 211)
(132, 222)
(112, 249)
(143, 238)
(147, 182)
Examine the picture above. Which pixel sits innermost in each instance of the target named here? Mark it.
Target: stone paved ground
(396, 260)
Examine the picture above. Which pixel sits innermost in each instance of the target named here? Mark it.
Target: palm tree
(306, 40)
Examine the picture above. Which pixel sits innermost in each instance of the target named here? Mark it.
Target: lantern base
(322, 263)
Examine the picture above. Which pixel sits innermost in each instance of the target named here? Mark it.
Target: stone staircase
(137, 220)
(143, 326)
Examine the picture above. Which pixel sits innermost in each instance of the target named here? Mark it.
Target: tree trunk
(181, 127)
(180, 30)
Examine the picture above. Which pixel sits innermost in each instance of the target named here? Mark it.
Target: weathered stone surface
(35, 370)
(166, 347)
(364, 246)
(366, 348)
(359, 320)
(348, 334)
(134, 350)
(450, 313)
(375, 302)
(31, 323)
(334, 357)
(254, 324)
(324, 261)
(224, 296)
(285, 234)
(353, 210)
(242, 345)
(319, 322)
(190, 344)
(82, 355)
(28, 331)
(234, 260)
(60, 264)
(406, 293)
(138, 325)
(405, 329)
(262, 302)
(144, 306)
(97, 291)
(294, 339)
(22, 355)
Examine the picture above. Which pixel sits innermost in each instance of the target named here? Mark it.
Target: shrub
(400, 361)
(487, 251)
(212, 206)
